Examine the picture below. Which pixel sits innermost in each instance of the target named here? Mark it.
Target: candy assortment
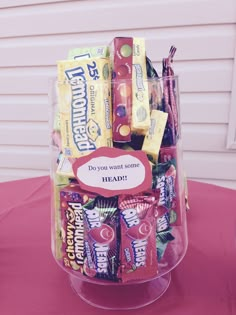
(111, 96)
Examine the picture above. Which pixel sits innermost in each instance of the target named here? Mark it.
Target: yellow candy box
(152, 140)
(140, 98)
(84, 88)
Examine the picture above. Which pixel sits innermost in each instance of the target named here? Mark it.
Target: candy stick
(171, 86)
(168, 71)
(166, 98)
(169, 94)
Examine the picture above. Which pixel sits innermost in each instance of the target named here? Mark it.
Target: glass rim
(116, 80)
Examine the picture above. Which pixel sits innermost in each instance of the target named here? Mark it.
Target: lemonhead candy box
(89, 52)
(85, 105)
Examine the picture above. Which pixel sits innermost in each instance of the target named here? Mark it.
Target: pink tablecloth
(32, 283)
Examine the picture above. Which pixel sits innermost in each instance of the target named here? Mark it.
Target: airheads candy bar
(72, 199)
(140, 99)
(121, 58)
(85, 105)
(89, 52)
(138, 243)
(101, 221)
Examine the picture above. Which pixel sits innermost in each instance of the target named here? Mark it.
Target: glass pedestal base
(121, 296)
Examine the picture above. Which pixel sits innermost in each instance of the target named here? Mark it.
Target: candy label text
(79, 110)
(93, 217)
(101, 253)
(75, 233)
(161, 184)
(139, 249)
(130, 217)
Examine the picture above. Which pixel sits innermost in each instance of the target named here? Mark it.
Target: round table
(32, 283)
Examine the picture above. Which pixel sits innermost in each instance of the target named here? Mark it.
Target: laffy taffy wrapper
(85, 105)
(72, 200)
(101, 222)
(138, 237)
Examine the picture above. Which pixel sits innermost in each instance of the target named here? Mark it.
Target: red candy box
(122, 56)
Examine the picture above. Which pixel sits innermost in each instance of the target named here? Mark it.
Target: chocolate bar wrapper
(138, 242)
(101, 222)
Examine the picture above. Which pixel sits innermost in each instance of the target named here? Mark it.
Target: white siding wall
(35, 34)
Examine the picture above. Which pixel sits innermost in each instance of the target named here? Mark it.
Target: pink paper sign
(111, 171)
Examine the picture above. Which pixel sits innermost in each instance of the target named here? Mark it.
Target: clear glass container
(170, 231)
